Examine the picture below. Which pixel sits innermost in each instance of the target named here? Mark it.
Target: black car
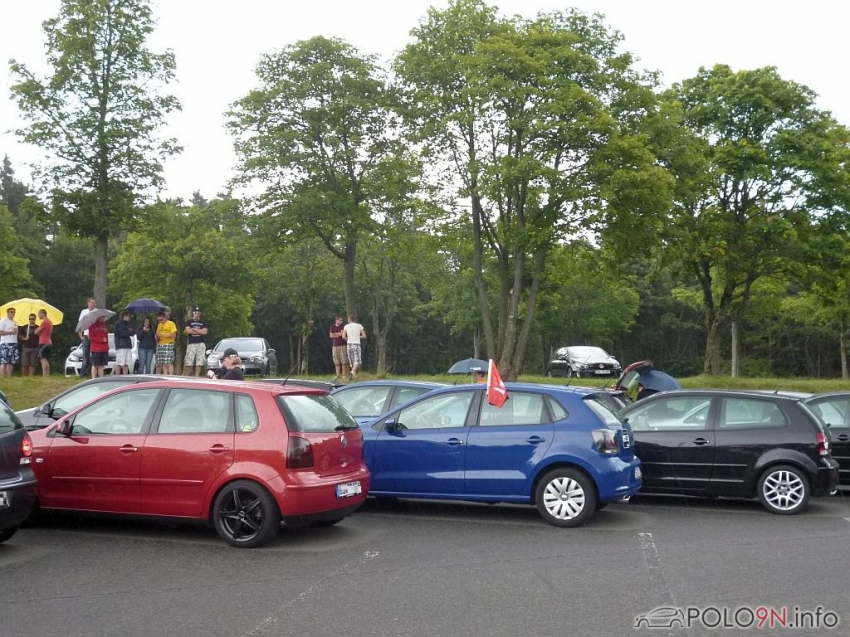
(18, 490)
(583, 360)
(833, 409)
(70, 399)
(733, 443)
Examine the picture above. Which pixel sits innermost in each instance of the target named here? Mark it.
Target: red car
(242, 456)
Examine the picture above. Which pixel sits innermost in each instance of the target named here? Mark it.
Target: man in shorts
(45, 342)
(196, 349)
(124, 333)
(354, 333)
(338, 349)
(8, 343)
(166, 334)
(29, 346)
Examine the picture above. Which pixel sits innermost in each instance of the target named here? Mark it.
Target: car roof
(394, 383)
(235, 385)
(746, 393)
(839, 393)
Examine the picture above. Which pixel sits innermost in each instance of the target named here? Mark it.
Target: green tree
(755, 163)
(319, 138)
(15, 278)
(535, 121)
(187, 256)
(97, 115)
(12, 192)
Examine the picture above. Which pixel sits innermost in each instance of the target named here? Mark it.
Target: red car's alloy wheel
(245, 514)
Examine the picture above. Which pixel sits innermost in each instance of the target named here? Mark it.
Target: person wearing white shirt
(8, 343)
(353, 333)
(84, 337)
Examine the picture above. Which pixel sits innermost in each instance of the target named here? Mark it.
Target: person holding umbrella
(99, 347)
(8, 343)
(91, 306)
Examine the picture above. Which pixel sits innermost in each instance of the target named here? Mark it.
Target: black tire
(565, 497)
(784, 489)
(245, 515)
(601, 505)
(5, 534)
(326, 524)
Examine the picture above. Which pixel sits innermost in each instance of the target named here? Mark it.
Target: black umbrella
(468, 365)
(658, 381)
(145, 306)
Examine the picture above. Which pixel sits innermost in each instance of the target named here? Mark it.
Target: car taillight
(26, 449)
(299, 453)
(823, 444)
(606, 441)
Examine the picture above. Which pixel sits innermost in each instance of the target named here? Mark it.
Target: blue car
(369, 399)
(561, 449)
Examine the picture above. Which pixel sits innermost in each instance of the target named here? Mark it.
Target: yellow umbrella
(25, 307)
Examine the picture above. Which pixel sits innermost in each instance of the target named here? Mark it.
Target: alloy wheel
(784, 490)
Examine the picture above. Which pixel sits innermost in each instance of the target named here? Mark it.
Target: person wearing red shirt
(99, 339)
(45, 342)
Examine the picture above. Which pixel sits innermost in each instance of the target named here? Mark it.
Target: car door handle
(454, 442)
(701, 441)
(128, 449)
(843, 438)
(219, 449)
(535, 440)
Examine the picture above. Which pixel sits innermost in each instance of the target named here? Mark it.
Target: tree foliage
(97, 115)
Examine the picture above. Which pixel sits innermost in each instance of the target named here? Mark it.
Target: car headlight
(581, 365)
(74, 358)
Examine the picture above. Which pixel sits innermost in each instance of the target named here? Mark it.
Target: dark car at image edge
(728, 443)
(18, 488)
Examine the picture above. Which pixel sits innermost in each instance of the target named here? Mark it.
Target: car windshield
(315, 414)
(587, 352)
(241, 344)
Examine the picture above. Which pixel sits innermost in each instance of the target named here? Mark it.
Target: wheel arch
(561, 464)
(229, 479)
(783, 456)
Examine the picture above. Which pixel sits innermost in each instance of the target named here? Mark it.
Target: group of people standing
(156, 343)
(347, 347)
(35, 340)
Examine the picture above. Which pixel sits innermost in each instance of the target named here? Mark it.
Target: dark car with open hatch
(17, 480)
(713, 442)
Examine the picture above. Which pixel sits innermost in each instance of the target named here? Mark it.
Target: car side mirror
(209, 351)
(390, 425)
(271, 351)
(45, 410)
(65, 428)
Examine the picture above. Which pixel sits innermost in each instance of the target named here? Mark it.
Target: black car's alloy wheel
(245, 514)
(565, 497)
(784, 489)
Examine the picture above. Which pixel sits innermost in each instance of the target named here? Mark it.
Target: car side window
(364, 401)
(447, 410)
(747, 413)
(833, 412)
(247, 419)
(521, 409)
(558, 411)
(194, 411)
(689, 413)
(406, 394)
(73, 399)
(124, 413)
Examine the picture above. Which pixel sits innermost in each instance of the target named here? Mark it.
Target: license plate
(4, 500)
(602, 371)
(348, 489)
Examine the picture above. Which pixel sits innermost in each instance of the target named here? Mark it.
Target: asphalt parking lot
(423, 569)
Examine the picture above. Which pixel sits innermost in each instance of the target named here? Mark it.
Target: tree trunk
(712, 346)
(304, 348)
(736, 344)
(842, 346)
(349, 265)
(530, 312)
(478, 276)
(381, 352)
(100, 269)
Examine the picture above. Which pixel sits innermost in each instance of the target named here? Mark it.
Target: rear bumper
(22, 494)
(825, 480)
(315, 499)
(622, 481)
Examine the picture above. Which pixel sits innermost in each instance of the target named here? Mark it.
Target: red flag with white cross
(497, 393)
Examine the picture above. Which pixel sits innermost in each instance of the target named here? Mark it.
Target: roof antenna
(289, 374)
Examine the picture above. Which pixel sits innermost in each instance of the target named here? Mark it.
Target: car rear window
(313, 413)
(8, 420)
(601, 408)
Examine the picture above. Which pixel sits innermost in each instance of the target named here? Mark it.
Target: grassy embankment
(31, 392)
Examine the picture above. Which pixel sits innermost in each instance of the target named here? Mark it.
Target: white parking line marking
(272, 620)
(657, 581)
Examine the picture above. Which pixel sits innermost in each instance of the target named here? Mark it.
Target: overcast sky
(217, 44)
